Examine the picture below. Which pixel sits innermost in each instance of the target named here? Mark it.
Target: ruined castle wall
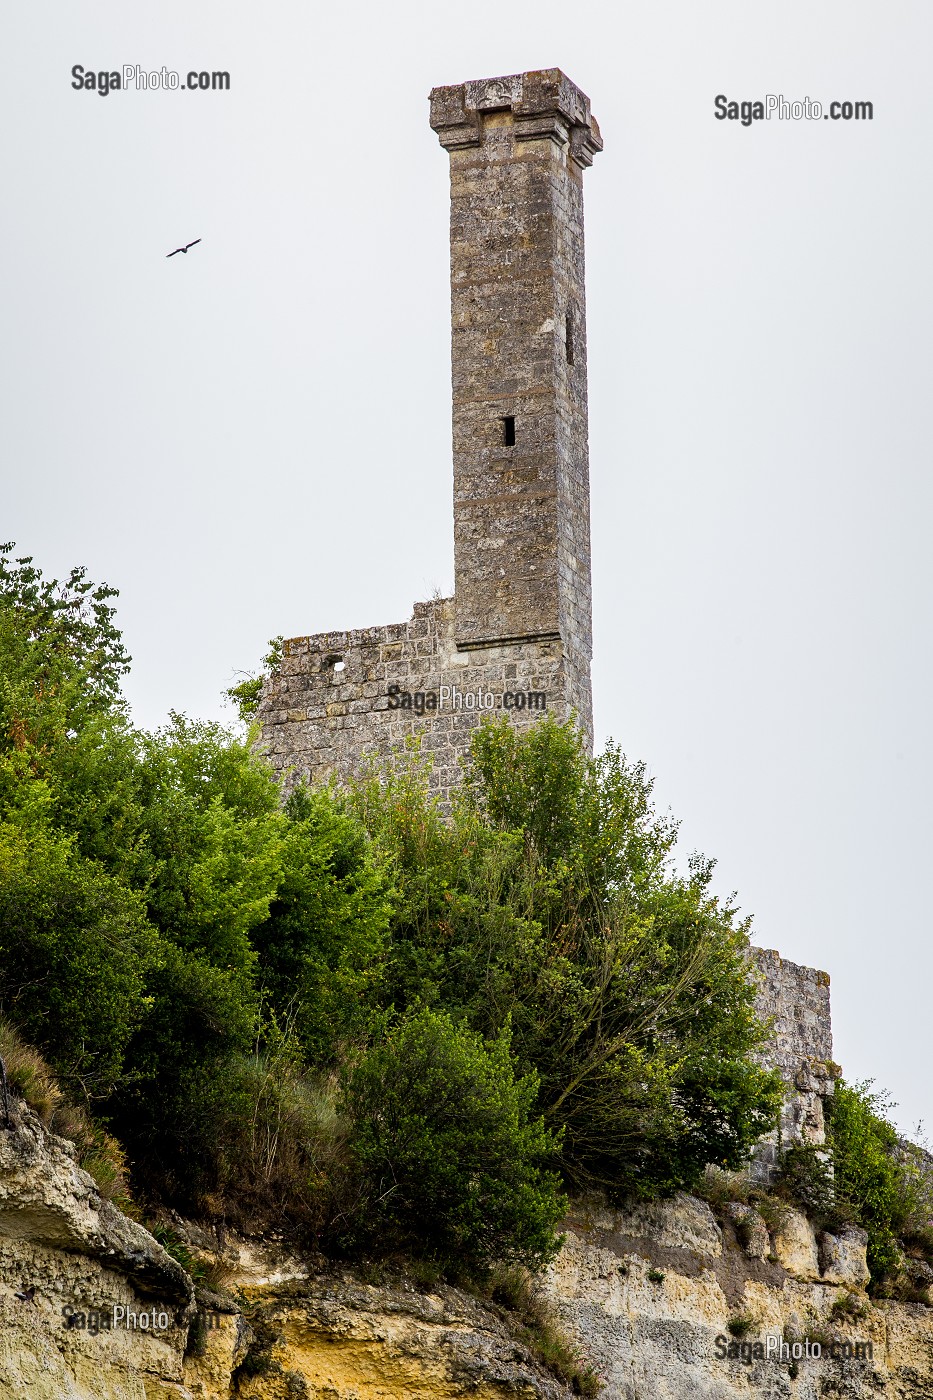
(331, 703)
(795, 1000)
(519, 623)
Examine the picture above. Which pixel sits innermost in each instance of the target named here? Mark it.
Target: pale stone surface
(795, 1000)
(796, 1248)
(520, 622)
(319, 722)
(59, 1239)
(649, 1317)
(685, 1222)
(750, 1229)
(644, 1294)
(843, 1258)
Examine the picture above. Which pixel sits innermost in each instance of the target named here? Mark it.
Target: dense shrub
(321, 950)
(454, 1163)
(872, 1177)
(182, 1090)
(549, 902)
(385, 1028)
(75, 956)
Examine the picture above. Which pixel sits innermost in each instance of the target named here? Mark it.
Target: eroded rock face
(648, 1296)
(336, 1336)
(656, 1310)
(63, 1247)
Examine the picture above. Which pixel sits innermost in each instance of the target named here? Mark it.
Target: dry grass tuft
(98, 1153)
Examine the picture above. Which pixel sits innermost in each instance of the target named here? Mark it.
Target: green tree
(549, 902)
(871, 1176)
(175, 1108)
(211, 839)
(454, 1163)
(75, 957)
(320, 952)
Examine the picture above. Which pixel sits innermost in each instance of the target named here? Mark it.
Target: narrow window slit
(508, 431)
(568, 336)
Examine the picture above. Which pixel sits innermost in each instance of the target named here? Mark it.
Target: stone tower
(517, 635)
(518, 147)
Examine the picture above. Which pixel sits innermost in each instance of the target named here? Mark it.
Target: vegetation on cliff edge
(344, 1014)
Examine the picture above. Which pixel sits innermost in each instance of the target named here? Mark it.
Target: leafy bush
(454, 1163)
(871, 1176)
(75, 952)
(548, 902)
(320, 952)
(806, 1179)
(173, 1109)
(381, 1027)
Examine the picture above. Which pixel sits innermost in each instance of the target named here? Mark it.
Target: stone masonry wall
(796, 1001)
(520, 618)
(518, 147)
(318, 720)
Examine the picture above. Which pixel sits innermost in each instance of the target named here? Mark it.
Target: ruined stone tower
(518, 148)
(517, 635)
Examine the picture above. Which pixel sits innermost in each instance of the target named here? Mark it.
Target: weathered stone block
(843, 1258)
(751, 1231)
(796, 1248)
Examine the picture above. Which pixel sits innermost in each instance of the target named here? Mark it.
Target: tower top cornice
(543, 103)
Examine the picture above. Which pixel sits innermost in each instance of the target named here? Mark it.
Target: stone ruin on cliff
(516, 637)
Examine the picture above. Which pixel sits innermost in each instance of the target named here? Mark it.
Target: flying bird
(183, 250)
(27, 1295)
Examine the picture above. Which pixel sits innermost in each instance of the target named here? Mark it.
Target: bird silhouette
(183, 250)
(27, 1294)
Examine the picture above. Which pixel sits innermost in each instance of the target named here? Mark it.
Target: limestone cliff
(62, 1246)
(647, 1295)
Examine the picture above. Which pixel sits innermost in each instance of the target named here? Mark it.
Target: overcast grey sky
(255, 438)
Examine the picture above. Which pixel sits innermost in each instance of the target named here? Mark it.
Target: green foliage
(867, 1177)
(320, 952)
(847, 1305)
(245, 695)
(443, 1135)
(211, 836)
(806, 1179)
(548, 902)
(75, 954)
(174, 1109)
(871, 1175)
(63, 652)
(379, 1027)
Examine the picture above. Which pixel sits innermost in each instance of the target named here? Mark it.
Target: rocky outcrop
(67, 1256)
(666, 1301)
(335, 1335)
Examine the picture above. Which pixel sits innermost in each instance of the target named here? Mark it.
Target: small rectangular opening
(508, 431)
(568, 336)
